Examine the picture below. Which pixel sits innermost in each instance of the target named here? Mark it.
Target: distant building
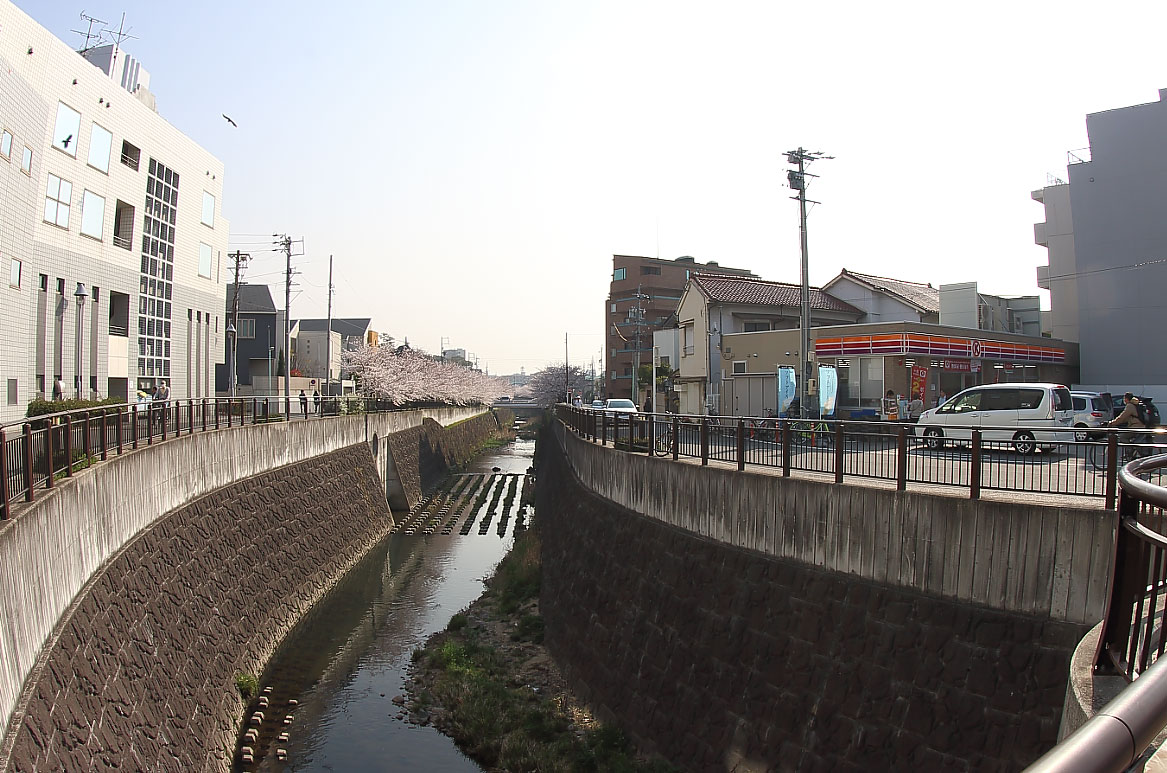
(312, 342)
(260, 338)
(1106, 233)
(882, 299)
(112, 236)
(642, 297)
(962, 305)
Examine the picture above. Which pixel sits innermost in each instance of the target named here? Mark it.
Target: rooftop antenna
(89, 33)
(117, 37)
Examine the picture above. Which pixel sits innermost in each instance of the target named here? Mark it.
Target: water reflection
(346, 660)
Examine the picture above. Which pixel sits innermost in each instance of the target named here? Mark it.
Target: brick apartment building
(643, 297)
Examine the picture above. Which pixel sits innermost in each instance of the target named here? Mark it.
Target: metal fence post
(104, 435)
(604, 429)
(86, 442)
(118, 432)
(68, 448)
(204, 413)
(741, 444)
(704, 441)
(786, 448)
(255, 410)
(28, 471)
(1111, 468)
(974, 470)
(4, 475)
(838, 451)
(902, 459)
(190, 416)
(165, 417)
(134, 424)
(676, 438)
(651, 434)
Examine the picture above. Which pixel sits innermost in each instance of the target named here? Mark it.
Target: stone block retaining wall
(724, 658)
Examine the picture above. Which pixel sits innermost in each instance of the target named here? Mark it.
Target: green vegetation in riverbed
(473, 689)
(247, 685)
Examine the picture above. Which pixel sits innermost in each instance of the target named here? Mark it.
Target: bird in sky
(230, 121)
(65, 142)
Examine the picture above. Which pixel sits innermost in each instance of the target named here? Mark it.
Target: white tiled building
(111, 237)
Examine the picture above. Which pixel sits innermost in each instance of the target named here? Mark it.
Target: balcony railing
(126, 243)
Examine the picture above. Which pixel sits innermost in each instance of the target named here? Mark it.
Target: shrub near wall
(719, 657)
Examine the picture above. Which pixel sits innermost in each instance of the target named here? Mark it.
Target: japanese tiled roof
(924, 297)
(737, 289)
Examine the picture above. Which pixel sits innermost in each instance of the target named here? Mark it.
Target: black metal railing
(1031, 459)
(1131, 641)
(37, 452)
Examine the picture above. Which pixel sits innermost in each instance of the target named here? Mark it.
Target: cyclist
(1129, 419)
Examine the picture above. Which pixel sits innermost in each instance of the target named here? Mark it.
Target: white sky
(473, 166)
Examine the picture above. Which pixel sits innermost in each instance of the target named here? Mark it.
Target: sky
(473, 166)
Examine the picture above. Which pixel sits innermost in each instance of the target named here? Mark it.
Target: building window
(26, 161)
(613, 308)
(246, 328)
(68, 126)
(6, 144)
(208, 209)
(739, 367)
(619, 274)
(205, 260)
(92, 214)
(131, 155)
(57, 198)
(100, 143)
(14, 273)
(13, 397)
(754, 327)
(654, 270)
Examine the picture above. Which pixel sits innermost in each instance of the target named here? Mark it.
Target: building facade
(1107, 247)
(882, 299)
(643, 297)
(111, 237)
(315, 358)
(259, 338)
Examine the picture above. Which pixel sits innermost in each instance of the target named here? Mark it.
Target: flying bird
(230, 121)
(65, 142)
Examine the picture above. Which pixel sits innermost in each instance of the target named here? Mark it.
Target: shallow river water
(346, 660)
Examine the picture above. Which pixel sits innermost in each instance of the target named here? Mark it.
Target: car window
(1002, 399)
(1062, 400)
(1079, 403)
(969, 401)
(1031, 398)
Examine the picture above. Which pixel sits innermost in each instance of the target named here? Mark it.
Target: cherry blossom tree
(405, 376)
(549, 385)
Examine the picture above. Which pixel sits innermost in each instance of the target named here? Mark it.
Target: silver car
(1091, 410)
(620, 405)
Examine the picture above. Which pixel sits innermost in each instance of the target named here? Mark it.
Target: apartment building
(1106, 234)
(643, 297)
(111, 237)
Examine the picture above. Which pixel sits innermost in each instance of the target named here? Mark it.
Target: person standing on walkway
(58, 389)
(316, 400)
(303, 403)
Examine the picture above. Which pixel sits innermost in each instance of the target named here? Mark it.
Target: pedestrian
(303, 403)
(891, 406)
(942, 399)
(316, 400)
(161, 395)
(916, 407)
(58, 389)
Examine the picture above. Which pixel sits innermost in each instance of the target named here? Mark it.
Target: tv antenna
(89, 33)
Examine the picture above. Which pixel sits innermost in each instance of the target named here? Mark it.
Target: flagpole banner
(828, 390)
(787, 387)
(919, 381)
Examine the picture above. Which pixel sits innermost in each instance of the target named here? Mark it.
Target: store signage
(960, 366)
(936, 346)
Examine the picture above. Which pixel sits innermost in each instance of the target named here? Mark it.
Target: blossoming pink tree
(548, 386)
(406, 376)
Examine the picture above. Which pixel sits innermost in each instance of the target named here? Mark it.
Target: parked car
(1026, 415)
(1091, 409)
(620, 405)
(597, 404)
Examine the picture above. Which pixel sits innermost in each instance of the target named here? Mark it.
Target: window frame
(619, 274)
(74, 139)
(59, 202)
(6, 136)
(94, 126)
(85, 201)
(203, 215)
(16, 267)
(246, 323)
(210, 259)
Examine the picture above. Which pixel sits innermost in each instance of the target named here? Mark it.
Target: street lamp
(231, 379)
(80, 295)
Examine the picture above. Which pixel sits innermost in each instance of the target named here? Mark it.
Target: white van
(1026, 415)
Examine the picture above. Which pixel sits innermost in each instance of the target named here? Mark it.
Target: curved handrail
(1144, 490)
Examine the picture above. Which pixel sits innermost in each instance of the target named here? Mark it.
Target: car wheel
(1023, 443)
(1080, 433)
(934, 438)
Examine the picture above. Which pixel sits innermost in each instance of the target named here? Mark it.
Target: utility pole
(797, 178)
(328, 335)
(566, 378)
(240, 259)
(284, 242)
(638, 310)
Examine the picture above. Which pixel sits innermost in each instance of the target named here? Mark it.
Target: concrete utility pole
(285, 243)
(328, 333)
(638, 310)
(797, 180)
(240, 259)
(566, 377)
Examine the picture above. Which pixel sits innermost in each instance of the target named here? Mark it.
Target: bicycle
(1130, 449)
(812, 432)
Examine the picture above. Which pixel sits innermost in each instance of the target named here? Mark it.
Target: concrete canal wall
(182, 563)
(756, 623)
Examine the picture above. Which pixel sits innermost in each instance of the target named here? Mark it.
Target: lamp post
(231, 377)
(271, 350)
(80, 295)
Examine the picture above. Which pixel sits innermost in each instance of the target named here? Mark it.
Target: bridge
(733, 616)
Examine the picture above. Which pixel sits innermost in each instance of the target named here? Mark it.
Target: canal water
(335, 676)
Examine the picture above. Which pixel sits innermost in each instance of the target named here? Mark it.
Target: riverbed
(339, 670)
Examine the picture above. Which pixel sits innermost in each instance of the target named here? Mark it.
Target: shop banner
(828, 390)
(919, 381)
(787, 388)
(959, 366)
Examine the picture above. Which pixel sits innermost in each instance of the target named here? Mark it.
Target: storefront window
(870, 381)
